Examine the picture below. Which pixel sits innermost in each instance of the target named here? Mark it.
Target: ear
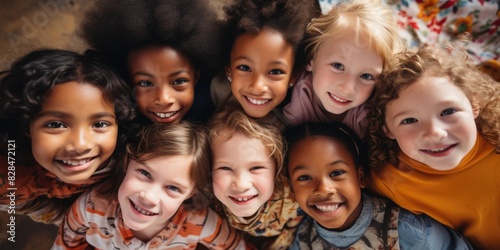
(475, 110)
(228, 72)
(387, 132)
(361, 177)
(309, 66)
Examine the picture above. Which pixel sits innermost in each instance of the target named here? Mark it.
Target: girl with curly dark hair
(62, 117)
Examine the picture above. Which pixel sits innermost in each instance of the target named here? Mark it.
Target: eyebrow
(300, 167)
(150, 169)
(272, 63)
(63, 115)
(142, 73)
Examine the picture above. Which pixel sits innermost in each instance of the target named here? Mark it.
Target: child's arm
(423, 232)
(73, 230)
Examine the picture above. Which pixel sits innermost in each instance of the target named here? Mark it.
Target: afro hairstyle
(116, 28)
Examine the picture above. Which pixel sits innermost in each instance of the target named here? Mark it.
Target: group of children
(260, 130)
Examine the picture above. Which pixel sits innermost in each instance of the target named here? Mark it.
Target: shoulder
(423, 232)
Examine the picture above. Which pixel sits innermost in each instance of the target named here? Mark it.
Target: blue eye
(174, 188)
(243, 68)
(145, 173)
(367, 77)
(448, 111)
(55, 125)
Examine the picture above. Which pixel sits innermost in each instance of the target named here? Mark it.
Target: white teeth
(142, 211)
(165, 115)
(257, 102)
(338, 99)
(437, 149)
(76, 162)
(243, 199)
(327, 208)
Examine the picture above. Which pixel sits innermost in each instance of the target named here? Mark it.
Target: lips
(142, 210)
(328, 208)
(76, 162)
(165, 115)
(242, 199)
(338, 99)
(439, 151)
(257, 101)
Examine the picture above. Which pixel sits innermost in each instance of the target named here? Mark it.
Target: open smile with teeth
(142, 211)
(77, 162)
(438, 150)
(338, 99)
(257, 102)
(242, 199)
(165, 115)
(327, 208)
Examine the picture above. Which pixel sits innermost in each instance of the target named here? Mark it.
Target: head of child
(346, 52)
(162, 50)
(265, 36)
(247, 156)
(325, 166)
(430, 105)
(167, 167)
(65, 109)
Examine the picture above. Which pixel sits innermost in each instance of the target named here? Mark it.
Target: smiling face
(326, 183)
(243, 173)
(433, 122)
(344, 73)
(75, 132)
(152, 192)
(260, 68)
(163, 81)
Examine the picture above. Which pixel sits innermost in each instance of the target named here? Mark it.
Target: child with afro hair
(263, 52)
(165, 49)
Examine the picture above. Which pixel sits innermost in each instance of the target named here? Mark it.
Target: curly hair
(170, 139)
(288, 17)
(24, 87)
(333, 130)
(369, 19)
(407, 68)
(116, 28)
(233, 119)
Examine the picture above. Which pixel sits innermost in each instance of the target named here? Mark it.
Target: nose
(164, 95)
(347, 85)
(80, 140)
(149, 196)
(325, 187)
(434, 131)
(258, 84)
(242, 182)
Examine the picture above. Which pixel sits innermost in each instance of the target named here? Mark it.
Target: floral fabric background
(433, 21)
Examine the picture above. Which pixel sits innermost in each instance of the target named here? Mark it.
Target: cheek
(187, 98)
(365, 92)
(218, 184)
